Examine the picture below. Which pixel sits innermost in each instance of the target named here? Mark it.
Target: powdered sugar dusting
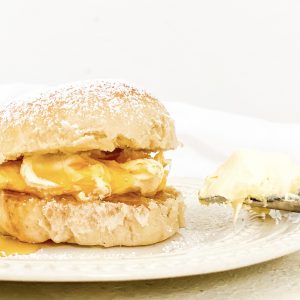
(70, 96)
(99, 114)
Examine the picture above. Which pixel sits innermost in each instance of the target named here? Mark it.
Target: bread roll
(130, 221)
(93, 115)
(101, 115)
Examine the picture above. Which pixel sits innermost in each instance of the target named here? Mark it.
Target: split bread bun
(102, 115)
(130, 221)
(83, 163)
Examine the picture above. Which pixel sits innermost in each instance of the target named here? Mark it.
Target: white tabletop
(278, 279)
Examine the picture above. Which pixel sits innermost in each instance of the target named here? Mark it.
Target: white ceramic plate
(209, 243)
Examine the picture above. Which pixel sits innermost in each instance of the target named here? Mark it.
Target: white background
(237, 56)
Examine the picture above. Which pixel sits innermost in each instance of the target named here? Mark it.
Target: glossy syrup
(11, 246)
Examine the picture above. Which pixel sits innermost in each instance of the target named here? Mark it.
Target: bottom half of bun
(129, 220)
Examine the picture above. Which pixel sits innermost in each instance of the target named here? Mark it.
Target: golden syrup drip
(59, 174)
(11, 246)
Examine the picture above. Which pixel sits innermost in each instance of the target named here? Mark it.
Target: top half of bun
(102, 115)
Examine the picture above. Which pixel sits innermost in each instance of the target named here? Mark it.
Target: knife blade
(289, 203)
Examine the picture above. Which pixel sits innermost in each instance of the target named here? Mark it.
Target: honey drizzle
(10, 246)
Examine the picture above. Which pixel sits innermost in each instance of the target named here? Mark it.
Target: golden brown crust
(127, 221)
(102, 115)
